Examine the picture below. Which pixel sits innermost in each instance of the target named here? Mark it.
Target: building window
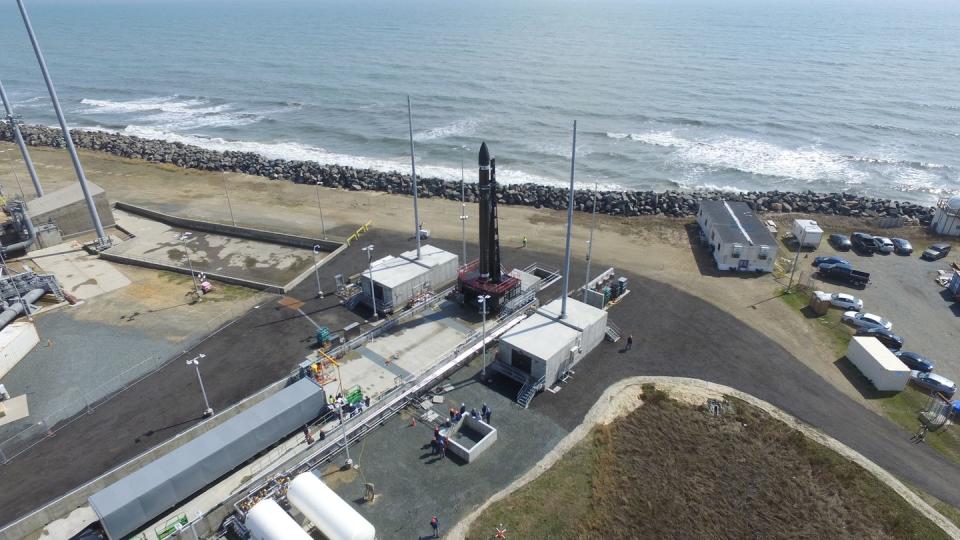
(737, 251)
(764, 252)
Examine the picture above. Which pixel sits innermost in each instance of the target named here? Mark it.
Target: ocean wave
(301, 152)
(173, 113)
(459, 128)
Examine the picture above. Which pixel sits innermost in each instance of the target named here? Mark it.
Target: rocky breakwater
(619, 203)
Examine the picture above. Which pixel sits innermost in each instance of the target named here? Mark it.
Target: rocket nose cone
(484, 155)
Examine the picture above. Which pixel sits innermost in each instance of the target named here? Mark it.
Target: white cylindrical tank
(267, 521)
(336, 519)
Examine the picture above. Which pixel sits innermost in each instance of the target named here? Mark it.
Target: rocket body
(489, 238)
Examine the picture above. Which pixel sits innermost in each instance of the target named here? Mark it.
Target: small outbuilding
(946, 218)
(397, 280)
(807, 233)
(738, 240)
(545, 346)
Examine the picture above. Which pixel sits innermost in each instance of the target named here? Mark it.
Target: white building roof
(579, 315)
(541, 336)
(880, 353)
(392, 271)
(430, 256)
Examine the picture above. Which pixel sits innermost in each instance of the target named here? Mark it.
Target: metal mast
(15, 125)
(413, 177)
(593, 225)
(566, 257)
(102, 239)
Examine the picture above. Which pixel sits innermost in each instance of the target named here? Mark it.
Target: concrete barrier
(230, 230)
(232, 280)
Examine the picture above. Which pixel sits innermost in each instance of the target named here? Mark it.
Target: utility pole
(593, 225)
(373, 290)
(103, 241)
(226, 191)
(566, 270)
(796, 260)
(15, 126)
(413, 178)
(316, 267)
(323, 228)
(195, 362)
(463, 213)
(183, 237)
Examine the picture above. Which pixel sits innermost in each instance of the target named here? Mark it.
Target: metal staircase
(613, 333)
(525, 396)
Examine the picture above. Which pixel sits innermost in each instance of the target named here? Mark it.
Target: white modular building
(807, 232)
(397, 280)
(880, 366)
(946, 218)
(545, 346)
(738, 240)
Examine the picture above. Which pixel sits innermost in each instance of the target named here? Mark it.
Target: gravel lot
(902, 289)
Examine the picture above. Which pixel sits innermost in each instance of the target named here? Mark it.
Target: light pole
(346, 444)
(373, 292)
(483, 308)
(184, 237)
(593, 225)
(195, 362)
(323, 228)
(316, 266)
(226, 191)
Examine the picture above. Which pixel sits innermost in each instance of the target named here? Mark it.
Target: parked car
(886, 337)
(840, 242)
(901, 246)
(915, 361)
(846, 301)
(863, 242)
(936, 251)
(934, 382)
(843, 273)
(884, 244)
(865, 321)
(829, 259)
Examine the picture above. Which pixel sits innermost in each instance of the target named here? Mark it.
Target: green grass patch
(551, 506)
(903, 408)
(829, 326)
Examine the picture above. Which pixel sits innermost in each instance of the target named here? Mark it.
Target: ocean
(824, 95)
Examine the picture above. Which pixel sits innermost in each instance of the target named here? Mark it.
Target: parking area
(903, 290)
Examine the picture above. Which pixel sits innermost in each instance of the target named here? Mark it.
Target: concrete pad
(372, 377)
(14, 409)
(71, 524)
(80, 274)
(416, 348)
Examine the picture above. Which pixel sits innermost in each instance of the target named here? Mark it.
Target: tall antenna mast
(413, 176)
(15, 125)
(566, 257)
(102, 240)
(463, 212)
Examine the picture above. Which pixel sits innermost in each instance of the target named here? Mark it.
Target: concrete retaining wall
(471, 453)
(230, 230)
(232, 280)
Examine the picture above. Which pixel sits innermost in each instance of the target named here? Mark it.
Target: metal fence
(87, 400)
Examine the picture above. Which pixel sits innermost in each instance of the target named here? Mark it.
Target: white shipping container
(884, 370)
(17, 339)
(807, 232)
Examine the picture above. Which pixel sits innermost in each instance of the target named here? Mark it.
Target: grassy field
(669, 470)
(834, 331)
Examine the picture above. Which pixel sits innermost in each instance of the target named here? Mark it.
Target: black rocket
(489, 240)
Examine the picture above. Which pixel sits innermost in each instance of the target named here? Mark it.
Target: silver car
(866, 321)
(884, 244)
(846, 301)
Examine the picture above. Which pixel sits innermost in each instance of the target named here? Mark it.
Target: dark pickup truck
(845, 274)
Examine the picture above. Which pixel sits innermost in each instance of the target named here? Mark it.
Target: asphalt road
(675, 334)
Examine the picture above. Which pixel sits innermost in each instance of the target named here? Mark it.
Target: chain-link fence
(21, 437)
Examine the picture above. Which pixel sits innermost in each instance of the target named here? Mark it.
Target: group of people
(483, 414)
(439, 443)
(340, 403)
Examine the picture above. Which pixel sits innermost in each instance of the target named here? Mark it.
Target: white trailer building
(397, 280)
(737, 239)
(545, 346)
(946, 218)
(807, 232)
(884, 370)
